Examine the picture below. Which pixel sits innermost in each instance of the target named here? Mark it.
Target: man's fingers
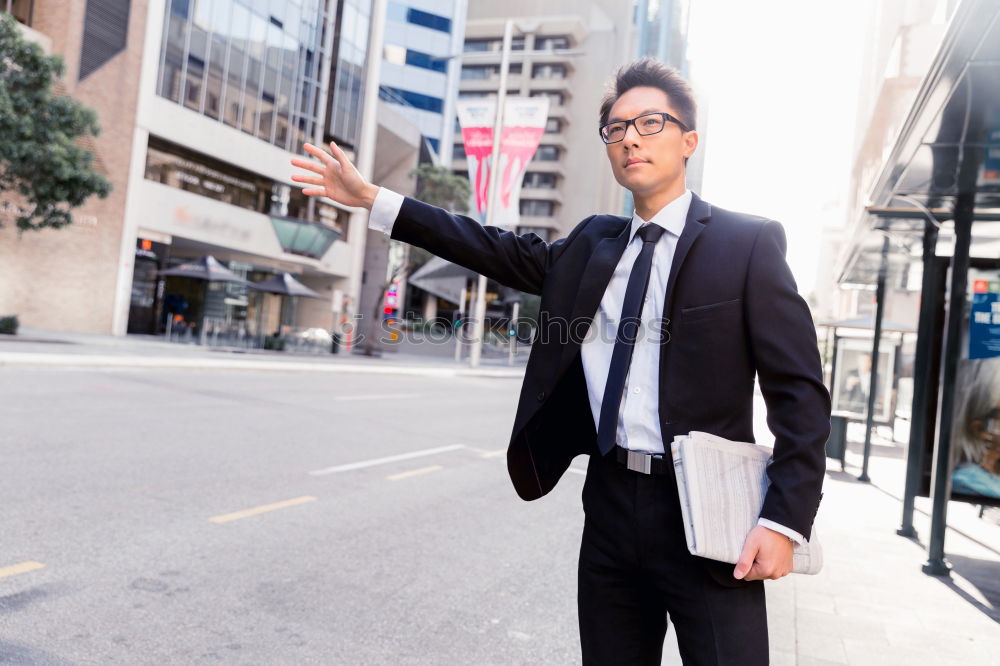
(339, 154)
(309, 180)
(746, 561)
(315, 167)
(320, 153)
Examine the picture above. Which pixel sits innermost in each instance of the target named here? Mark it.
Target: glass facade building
(350, 46)
(252, 64)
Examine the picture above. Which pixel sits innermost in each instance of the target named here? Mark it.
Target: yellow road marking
(494, 454)
(236, 515)
(19, 568)
(414, 472)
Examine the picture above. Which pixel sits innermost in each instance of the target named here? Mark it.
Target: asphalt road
(182, 517)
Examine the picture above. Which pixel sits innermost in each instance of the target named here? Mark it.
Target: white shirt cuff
(384, 210)
(790, 533)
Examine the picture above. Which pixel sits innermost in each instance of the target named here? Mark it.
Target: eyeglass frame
(631, 121)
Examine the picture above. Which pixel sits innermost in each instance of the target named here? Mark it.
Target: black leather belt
(644, 463)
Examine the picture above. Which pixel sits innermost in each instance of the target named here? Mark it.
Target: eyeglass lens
(644, 124)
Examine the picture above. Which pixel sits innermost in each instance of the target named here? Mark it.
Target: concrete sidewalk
(42, 348)
(872, 604)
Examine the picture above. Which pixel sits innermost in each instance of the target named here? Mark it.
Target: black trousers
(635, 570)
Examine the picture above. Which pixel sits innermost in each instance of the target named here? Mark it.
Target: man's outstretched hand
(766, 555)
(334, 177)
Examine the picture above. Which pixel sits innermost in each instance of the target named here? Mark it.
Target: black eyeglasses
(647, 124)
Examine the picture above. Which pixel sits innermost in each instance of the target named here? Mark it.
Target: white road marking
(386, 460)
(414, 472)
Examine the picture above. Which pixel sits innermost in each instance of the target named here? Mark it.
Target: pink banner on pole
(523, 126)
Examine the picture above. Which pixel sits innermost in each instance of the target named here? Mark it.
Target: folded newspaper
(722, 485)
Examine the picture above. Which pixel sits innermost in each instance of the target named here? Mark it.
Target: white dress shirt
(640, 397)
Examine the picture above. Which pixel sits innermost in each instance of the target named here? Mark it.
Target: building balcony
(545, 193)
(31, 35)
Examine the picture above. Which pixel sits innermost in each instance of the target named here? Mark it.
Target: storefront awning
(956, 115)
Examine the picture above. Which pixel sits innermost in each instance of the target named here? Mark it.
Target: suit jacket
(732, 311)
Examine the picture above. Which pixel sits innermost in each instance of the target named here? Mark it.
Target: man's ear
(690, 143)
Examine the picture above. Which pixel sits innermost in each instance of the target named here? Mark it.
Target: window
(540, 180)
(425, 60)
(428, 20)
(488, 71)
(458, 151)
(546, 154)
(553, 125)
(255, 65)
(542, 232)
(548, 71)
(555, 97)
(536, 207)
(417, 100)
(479, 45)
(554, 42)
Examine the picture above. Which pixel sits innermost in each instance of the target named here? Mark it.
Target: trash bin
(836, 445)
(334, 343)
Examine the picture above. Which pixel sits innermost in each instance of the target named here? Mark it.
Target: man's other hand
(766, 555)
(335, 177)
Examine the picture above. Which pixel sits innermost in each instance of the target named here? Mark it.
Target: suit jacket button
(541, 396)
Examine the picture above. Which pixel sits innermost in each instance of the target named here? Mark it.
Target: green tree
(40, 158)
(439, 186)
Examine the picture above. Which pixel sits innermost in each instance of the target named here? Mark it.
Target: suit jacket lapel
(594, 283)
(699, 212)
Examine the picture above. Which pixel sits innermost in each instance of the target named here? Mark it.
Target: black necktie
(628, 328)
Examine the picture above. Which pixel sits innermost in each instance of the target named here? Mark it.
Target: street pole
(873, 373)
(456, 325)
(478, 318)
(512, 333)
(922, 380)
(357, 225)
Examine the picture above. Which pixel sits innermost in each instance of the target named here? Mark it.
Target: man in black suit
(650, 327)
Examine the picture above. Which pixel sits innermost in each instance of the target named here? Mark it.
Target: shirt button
(636, 389)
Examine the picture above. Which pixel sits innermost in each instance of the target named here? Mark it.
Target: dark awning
(956, 111)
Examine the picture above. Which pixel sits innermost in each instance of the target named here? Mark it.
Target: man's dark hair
(648, 71)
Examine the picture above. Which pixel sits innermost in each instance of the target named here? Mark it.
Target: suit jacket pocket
(711, 310)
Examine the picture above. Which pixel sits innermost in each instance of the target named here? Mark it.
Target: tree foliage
(40, 158)
(440, 187)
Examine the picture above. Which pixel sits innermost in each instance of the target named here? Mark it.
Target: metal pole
(964, 208)
(873, 375)
(456, 325)
(921, 381)
(480, 313)
(513, 338)
(357, 230)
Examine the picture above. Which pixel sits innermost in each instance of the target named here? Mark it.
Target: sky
(780, 80)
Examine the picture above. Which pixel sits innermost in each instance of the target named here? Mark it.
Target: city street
(245, 517)
(112, 481)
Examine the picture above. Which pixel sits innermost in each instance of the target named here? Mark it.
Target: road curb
(32, 359)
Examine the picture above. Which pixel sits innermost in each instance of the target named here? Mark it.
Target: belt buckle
(640, 462)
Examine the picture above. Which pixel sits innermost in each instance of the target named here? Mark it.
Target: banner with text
(523, 125)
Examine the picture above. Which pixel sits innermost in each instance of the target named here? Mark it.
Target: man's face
(660, 156)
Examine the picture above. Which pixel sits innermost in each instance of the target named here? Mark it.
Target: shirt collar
(671, 217)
